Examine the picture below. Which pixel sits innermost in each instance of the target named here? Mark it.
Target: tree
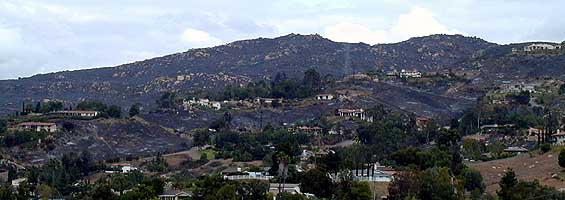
(91, 106)
(6, 192)
(405, 185)
(134, 109)
(507, 184)
(289, 196)
(114, 111)
(436, 184)
(120, 183)
(201, 137)
(312, 81)
(316, 182)
(562, 158)
(253, 189)
(3, 125)
(102, 191)
(167, 100)
(472, 180)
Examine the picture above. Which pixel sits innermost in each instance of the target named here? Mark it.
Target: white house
(540, 46)
(38, 126)
(17, 182)
(188, 104)
(559, 138)
(358, 113)
(76, 113)
(274, 188)
(323, 97)
(174, 195)
(410, 74)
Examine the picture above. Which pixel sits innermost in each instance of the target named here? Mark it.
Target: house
(76, 113)
(305, 155)
(495, 127)
(534, 131)
(267, 101)
(276, 188)
(38, 126)
(175, 195)
(17, 182)
(307, 129)
(357, 113)
(323, 97)
(541, 47)
(559, 138)
(249, 176)
(188, 104)
(517, 88)
(516, 150)
(499, 102)
(122, 168)
(373, 173)
(410, 74)
(421, 122)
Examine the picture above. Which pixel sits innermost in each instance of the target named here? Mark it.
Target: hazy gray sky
(38, 36)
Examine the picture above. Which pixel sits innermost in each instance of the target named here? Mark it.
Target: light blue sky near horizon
(45, 36)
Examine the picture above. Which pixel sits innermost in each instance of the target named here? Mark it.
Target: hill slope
(243, 61)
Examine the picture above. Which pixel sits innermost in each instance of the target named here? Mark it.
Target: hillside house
(357, 113)
(410, 74)
(238, 174)
(517, 88)
(307, 129)
(17, 182)
(189, 104)
(541, 47)
(421, 122)
(76, 113)
(38, 126)
(324, 97)
(267, 101)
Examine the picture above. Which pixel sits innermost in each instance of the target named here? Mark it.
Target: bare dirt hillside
(543, 167)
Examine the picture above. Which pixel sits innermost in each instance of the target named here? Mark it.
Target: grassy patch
(209, 153)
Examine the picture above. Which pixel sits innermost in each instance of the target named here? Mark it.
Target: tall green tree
(472, 180)
(316, 182)
(562, 158)
(3, 125)
(507, 184)
(114, 111)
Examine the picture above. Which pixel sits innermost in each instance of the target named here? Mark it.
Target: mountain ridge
(242, 61)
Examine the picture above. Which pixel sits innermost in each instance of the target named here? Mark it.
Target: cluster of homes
(52, 127)
(368, 173)
(354, 113)
(509, 87)
(189, 104)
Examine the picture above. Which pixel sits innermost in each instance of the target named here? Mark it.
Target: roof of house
(306, 128)
(561, 133)
(77, 111)
(173, 192)
(346, 110)
(37, 124)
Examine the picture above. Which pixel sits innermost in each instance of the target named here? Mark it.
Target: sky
(38, 36)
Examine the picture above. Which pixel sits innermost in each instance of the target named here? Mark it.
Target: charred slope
(246, 60)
